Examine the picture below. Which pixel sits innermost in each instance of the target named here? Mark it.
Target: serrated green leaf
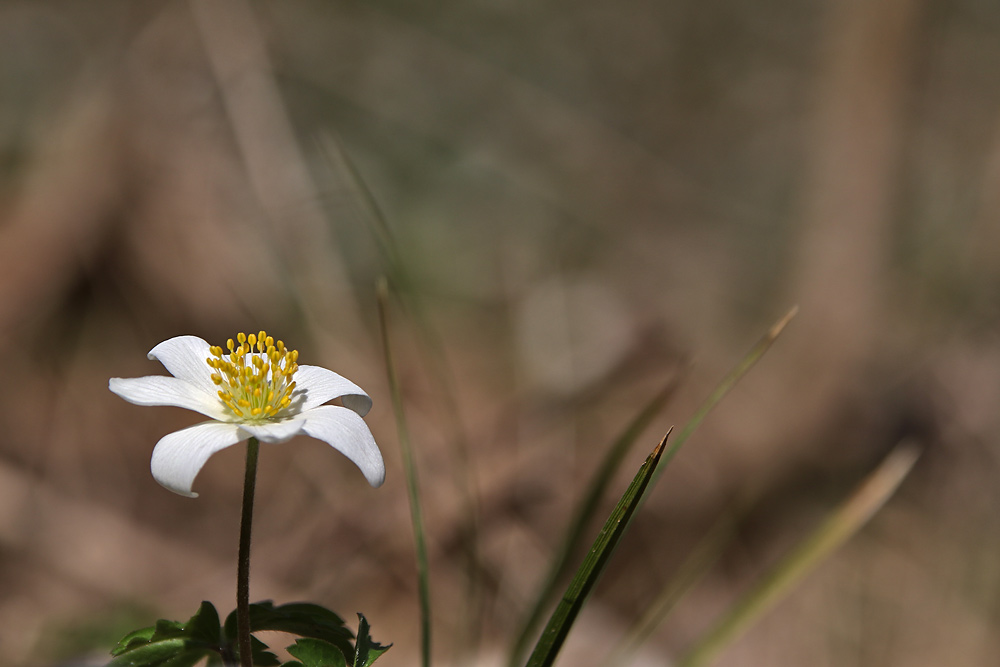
(298, 618)
(317, 653)
(204, 626)
(367, 650)
(261, 656)
(134, 639)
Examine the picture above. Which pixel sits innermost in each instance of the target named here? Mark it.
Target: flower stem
(243, 566)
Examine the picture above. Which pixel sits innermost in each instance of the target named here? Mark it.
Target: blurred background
(580, 201)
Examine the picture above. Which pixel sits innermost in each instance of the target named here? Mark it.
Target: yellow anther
(255, 379)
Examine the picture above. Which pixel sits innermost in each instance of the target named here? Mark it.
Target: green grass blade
(338, 158)
(585, 511)
(412, 486)
(590, 570)
(433, 349)
(844, 522)
(723, 388)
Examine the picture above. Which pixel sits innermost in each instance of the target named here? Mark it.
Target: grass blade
(412, 486)
(723, 388)
(590, 570)
(691, 571)
(728, 382)
(854, 513)
(406, 290)
(585, 511)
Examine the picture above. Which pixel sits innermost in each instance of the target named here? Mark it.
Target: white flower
(256, 390)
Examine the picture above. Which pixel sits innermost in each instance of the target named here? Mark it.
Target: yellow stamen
(254, 384)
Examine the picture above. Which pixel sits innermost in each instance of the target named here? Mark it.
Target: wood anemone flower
(253, 389)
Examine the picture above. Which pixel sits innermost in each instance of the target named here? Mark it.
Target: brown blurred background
(582, 195)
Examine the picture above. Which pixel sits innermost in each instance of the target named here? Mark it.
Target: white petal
(315, 385)
(163, 390)
(178, 457)
(184, 357)
(275, 431)
(346, 432)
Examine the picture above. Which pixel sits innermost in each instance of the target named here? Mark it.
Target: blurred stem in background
(843, 523)
(412, 485)
(690, 573)
(433, 348)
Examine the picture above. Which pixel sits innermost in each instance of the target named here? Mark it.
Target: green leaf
(171, 643)
(166, 653)
(133, 639)
(317, 653)
(367, 650)
(593, 565)
(188, 658)
(166, 629)
(204, 625)
(148, 653)
(298, 618)
(261, 656)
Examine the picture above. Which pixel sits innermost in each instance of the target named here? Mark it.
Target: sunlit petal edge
(155, 390)
(184, 357)
(319, 385)
(344, 430)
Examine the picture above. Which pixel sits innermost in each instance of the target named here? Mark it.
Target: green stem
(243, 566)
(410, 472)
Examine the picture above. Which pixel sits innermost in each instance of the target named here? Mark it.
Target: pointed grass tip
(782, 323)
(663, 443)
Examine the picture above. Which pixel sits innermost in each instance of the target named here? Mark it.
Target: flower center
(254, 385)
